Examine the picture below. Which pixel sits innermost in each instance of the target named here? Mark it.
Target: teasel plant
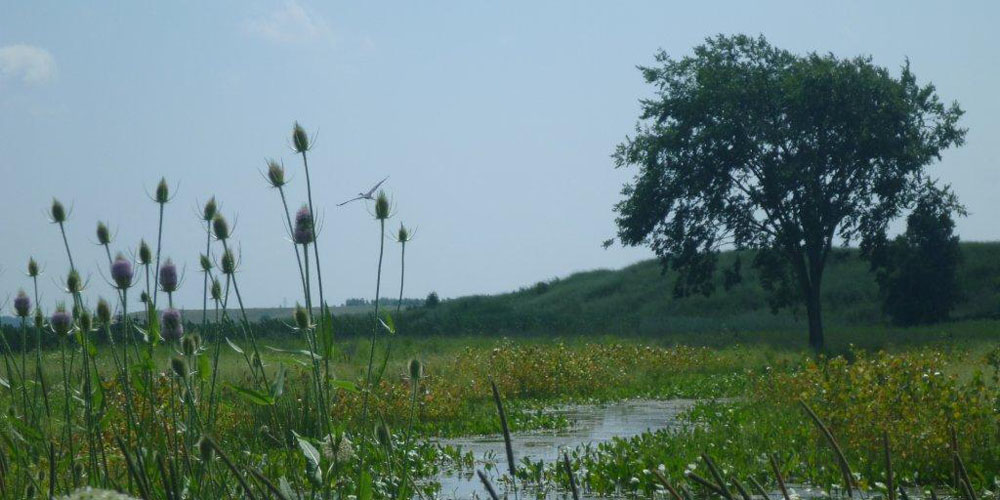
(302, 144)
(33, 272)
(275, 176)
(104, 238)
(403, 236)
(13, 373)
(59, 215)
(161, 196)
(228, 264)
(303, 233)
(62, 325)
(207, 214)
(382, 213)
(145, 260)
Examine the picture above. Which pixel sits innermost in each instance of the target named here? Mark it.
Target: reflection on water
(591, 424)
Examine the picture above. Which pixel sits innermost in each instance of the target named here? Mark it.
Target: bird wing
(372, 190)
(350, 200)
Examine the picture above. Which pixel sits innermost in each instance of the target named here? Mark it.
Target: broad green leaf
(25, 430)
(388, 324)
(325, 333)
(153, 324)
(346, 385)
(97, 390)
(278, 386)
(4, 382)
(234, 346)
(310, 451)
(252, 395)
(204, 368)
(365, 491)
(286, 488)
(303, 352)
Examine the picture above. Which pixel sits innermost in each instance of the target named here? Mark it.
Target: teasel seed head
(32, 268)
(206, 263)
(144, 297)
(179, 366)
(211, 208)
(382, 206)
(103, 235)
(300, 139)
(145, 253)
(196, 338)
(187, 346)
(301, 317)
(404, 234)
(275, 174)
(216, 290)
(416, 370)
(206, 447)
(61, 321)
(121, 272)
(171, 325)
(162, 195)
(304, 226)
(22, 304)
(228, 263)
(73, 282)
(86, 321)
(220, 227)
(58, 212)
(39, 319)
(103, 312)
(168, 276)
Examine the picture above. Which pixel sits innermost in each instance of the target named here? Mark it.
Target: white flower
(89, 493)
(337, 449)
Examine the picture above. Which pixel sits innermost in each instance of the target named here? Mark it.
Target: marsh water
(590, 424)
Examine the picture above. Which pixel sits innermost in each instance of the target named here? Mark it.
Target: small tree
(750, 146)
(432, 300)
(917, 272)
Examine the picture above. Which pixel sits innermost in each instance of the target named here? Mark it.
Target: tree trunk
(815, 311)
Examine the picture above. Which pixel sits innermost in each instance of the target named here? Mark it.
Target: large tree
(753, 147)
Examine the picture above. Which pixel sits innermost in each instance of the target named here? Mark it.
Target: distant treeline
(385, 301)
(638, 300)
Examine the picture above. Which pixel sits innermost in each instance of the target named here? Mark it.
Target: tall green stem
(371, 352)
(156, 275)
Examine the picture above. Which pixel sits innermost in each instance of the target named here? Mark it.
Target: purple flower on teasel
(121, 272)
(61, 321)
(172, 326)
(168, 276)
(22, 304)
(303, 233)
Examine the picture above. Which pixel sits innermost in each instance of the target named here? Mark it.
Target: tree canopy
(749, 146)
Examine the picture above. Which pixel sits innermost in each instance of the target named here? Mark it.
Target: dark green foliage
(918, 271)
(432, 300)
(751, 146)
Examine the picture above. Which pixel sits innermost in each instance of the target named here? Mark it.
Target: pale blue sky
(495, 121)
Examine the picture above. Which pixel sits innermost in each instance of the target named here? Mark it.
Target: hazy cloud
(27, 64)
(291, 23)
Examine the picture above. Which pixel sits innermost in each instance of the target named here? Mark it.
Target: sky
(494, 120)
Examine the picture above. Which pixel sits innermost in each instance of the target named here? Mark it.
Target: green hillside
(639, 300)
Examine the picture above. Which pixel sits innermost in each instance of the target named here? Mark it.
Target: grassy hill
(639, 300)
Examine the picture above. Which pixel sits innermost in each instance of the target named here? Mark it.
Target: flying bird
(370, 195)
